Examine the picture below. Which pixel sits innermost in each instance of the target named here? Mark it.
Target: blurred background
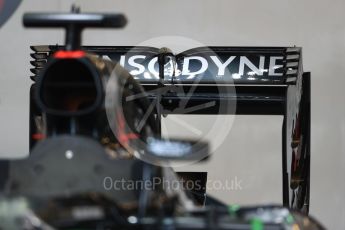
(251, 151)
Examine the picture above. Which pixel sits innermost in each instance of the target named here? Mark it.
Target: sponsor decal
(256, 67)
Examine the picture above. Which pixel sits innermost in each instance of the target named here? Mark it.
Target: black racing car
(97, 155)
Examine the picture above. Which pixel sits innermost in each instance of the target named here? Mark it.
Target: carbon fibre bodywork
(258, 80)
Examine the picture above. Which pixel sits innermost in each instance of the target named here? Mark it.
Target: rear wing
(259, 80)
(261, 75)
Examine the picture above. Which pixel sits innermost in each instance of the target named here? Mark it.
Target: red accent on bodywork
(1, 4)
(62, 54)
(124, 137)
(38, 136)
